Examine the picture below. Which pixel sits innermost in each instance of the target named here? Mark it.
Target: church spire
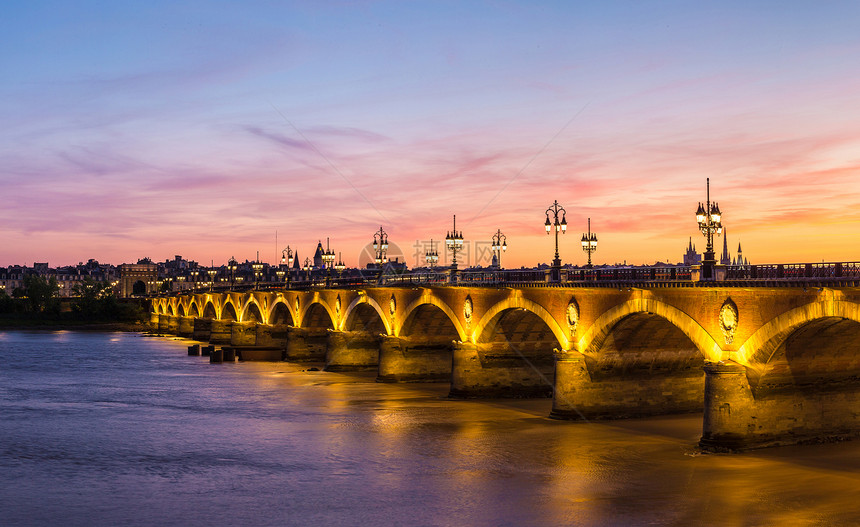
(725, 259)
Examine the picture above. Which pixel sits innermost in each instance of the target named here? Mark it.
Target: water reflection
(122, 430)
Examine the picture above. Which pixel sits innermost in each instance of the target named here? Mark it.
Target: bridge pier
(202, 329)
(162, 323)
(402, 359)
(487, 370)
(579, 395)
(219, 331)
(172, 324)
(740, 418)
(243, 334)
(306, 344)
(153, 321)
(272, 336)
(352, 351)
(186, 327)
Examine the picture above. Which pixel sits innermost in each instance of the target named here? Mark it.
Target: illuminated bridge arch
(280, 313)
(228, 311)
(642, 309)
(193, 310)
(818, 325)
(364, 313)
(209, 311)
(317, 314)
(495, 314)
(415, 312)
(252, 312)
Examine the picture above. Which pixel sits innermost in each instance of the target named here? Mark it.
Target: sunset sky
(155, 128)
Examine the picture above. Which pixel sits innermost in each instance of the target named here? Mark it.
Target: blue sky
(157, 128)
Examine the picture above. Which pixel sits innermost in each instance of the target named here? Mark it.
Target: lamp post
(328, 261)
(307, 269)
(454, 242)
(280, 273)
(339, 266)
(287, 258)
(380, 245)
(555, 208)
(258, 272)
(212, 273)
(432, 256)
(589, 243)
(194, 279)
(709, 218)
(500, 244)
(232, 265)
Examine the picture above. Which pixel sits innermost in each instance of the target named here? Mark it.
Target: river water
(122, 429)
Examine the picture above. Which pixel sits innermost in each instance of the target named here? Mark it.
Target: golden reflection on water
(476, 454)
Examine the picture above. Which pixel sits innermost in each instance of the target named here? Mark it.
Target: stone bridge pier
(352, 351)
(405, 359)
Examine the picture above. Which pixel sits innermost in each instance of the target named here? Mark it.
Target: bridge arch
(228, 312)
(317, 314)
(802, 323)
(595, 337)
(281, 314)
(421, 309)
(180, 310)
(503, 309)
(169, 310)
(252, 312)
(365, 313)
(193, 310)
(209, 311)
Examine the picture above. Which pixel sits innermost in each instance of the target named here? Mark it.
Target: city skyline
(153, 129)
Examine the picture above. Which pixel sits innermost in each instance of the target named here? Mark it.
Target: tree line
(94, 301)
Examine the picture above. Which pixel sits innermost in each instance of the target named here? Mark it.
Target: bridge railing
(541, 277)
(798, 271)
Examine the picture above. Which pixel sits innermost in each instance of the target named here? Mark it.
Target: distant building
(725, 259)
(318, 256)
(691, 257)
(137, 279)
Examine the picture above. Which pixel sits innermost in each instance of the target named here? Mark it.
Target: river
(123, 429)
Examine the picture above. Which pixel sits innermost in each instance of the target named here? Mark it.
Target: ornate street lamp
(211, 273)
(307, 268)
(328, 261)
(258, 272)
(454, 242)
(287, 259)
(432, 256)
(555, 208)
(500, 244)
(232, 265)
(709, 218)
(339, 266)
(380, 245)
(589, 243)
(280, 273)
(194, 279)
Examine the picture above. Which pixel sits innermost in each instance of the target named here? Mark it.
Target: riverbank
(83, 325)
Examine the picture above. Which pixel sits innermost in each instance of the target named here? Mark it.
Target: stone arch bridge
(768, 365)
